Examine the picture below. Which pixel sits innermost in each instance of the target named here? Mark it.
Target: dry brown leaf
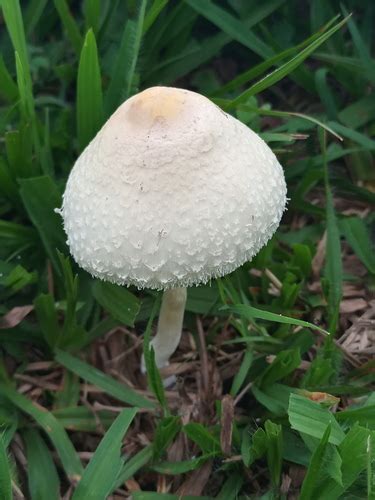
(195, 483)
(204, 358)
(350, 290)
(132, 485)
(15, 316)
(318, 260)
(227, 415)
(350, 306)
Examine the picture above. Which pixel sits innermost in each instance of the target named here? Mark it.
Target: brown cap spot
(160, 104)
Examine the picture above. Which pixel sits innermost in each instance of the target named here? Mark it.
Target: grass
(274, 397)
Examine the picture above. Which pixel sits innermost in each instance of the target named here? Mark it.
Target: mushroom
(171, 193)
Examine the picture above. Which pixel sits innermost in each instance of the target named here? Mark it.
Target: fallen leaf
(227, 415)
(14, 317)
(350, 306)
(132, 485)
(195, 483)
(319, 257)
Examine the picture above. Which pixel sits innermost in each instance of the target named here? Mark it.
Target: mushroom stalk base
(169, 329)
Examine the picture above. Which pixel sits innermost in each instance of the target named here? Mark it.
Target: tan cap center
(156, 104)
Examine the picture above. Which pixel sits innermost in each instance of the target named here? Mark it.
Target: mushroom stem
(169, 328)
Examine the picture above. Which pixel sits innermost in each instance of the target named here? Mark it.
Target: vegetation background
(274, 397)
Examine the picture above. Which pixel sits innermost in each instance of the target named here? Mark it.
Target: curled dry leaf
(15, 316)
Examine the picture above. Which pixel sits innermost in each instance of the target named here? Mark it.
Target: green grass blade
(40, 197)
(231, 488)
(105, 465)
(256, 71)
(118, 301)
(177, 20)
(13, 20)
(19, 151)
(364, 415)
(361, 47)
(134, 464)
(46, 314)
(91, 9)
(153, 13)
(310, 418)
(80, 418)
(8, 187)
(185, 62)
(204, 438)
(100, 379)
(370, 465)
(121, 82)
(72, 333)
(89, 92)
(151, 495)
(260, 68)
(353, 452)
(353, 135)
(283, 114)
(231, 26)
(240, 376)
(349, 64)
(33, 14)
(26, 101)
(357, 443)
(70, 25)
(100, 329)
(40, 465)
(15, 279)
(325, 92)
(17, 234)
(284, 363)
(176, 468)
(274, 450)
(358, 113)
(251, 313)
(333, 263)
(5, 475)
(357, 235)
(55, 432)
(285, 69)
(8, 88)
(153, 375)
(166, 430)
(314, 471)
(189, 60)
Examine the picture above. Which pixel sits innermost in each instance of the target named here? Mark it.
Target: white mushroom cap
(171, 192)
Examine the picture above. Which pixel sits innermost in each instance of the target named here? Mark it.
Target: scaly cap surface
(171, 192)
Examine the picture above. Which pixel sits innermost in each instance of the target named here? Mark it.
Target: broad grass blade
(40, 465)
(285, 69)
(54, 430)
(5, 475)
(121, 82)
(89, 92)
(105, 465)
(312, 419)
(333, 263)
(69, 24)
(100, 379)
